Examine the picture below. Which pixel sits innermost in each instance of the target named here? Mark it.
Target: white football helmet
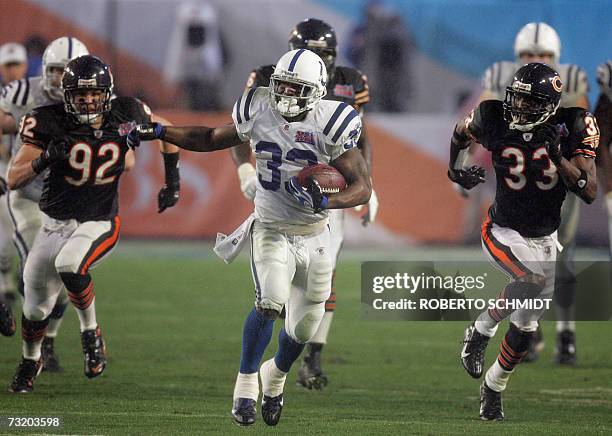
(298, 83)
(604, 78)
(537, 38)
(56, 55)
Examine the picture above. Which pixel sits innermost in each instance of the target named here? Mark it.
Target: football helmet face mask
(537, 39)
(298, 83)
(57, 54)
(318, 37)
(533, 97)
(88, 85)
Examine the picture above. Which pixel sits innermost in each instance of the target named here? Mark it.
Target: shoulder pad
(15, 93)
(338, 118)
(604, 77)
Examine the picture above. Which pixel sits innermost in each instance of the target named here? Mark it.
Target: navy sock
(256, 336)
(288, 351)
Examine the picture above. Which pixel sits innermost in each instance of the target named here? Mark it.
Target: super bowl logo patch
(344, 91)
(305, 137)
(125, 128)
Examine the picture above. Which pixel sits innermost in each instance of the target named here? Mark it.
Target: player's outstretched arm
(196, 138)
(169, 194)
(352, 166)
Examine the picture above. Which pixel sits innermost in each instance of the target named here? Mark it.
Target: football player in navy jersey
(540, 153)
(344, 84)
(82, 142)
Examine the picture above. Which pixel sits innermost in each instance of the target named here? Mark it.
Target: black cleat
(271, 408)
(7, 320)
(94, 352)
(310, 374)
(566, 348)
(27, 371)
(473, 351)
(244, 411)
(491, 407)
(49, 358)
(536, 346)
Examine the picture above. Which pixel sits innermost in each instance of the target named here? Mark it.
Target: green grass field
(173, 329)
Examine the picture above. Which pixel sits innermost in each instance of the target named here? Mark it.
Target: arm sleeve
(33, 129)
(243, 113)
(344, 134)
(585, 135)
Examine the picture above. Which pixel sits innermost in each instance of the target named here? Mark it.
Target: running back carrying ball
(329, 178)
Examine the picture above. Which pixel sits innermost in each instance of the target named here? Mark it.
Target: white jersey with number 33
(282, 149)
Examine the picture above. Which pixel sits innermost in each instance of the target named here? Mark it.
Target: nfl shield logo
(527, 136)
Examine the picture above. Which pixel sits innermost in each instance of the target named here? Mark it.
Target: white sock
(320, 337)
(31, 350)
(497, 377)
(486, 325)
(87, 317)
(274, 378)
(247, 386)
(566, 325)
(53, 327)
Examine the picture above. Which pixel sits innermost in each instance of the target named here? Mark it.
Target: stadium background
(454, 43)
(164, 279)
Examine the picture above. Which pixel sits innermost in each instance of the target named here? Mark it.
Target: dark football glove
(56, 151)
(469, 178)
(169, 194)
(551, 137)
(309, 196)
(144, 132)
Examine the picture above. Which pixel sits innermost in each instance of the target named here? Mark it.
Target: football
(329, 178)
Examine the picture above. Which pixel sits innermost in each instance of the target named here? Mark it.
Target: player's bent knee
(65, 263)
(37, 312)
(306, 326)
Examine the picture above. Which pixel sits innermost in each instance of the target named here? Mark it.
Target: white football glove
(248, 180)
(370, 214)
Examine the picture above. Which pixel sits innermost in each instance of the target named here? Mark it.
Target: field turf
(173, 328)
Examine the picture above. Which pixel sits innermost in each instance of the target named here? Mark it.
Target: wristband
(171, 168)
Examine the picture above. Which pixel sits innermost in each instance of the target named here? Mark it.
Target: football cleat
(271, 408)
(566, 348)
(7, 320)
(94, 352)
(49, 358)
(310, 374)
(536, 346)
(244, 411)
(27, 371)
(491, 407)
(473, 351)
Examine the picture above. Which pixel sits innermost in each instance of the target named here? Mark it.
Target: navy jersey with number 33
(529, 191)
(85, 186)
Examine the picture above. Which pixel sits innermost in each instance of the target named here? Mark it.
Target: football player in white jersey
(539, 42)
(19, 98)
(289, 127)
(343, 84)
(13, 66)
(603, 113)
